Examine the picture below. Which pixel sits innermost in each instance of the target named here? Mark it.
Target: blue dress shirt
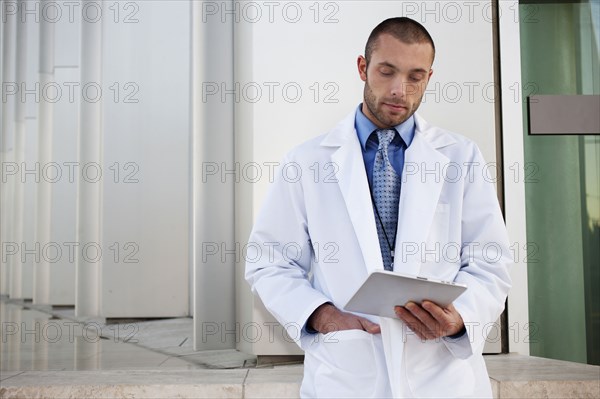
(369, 142)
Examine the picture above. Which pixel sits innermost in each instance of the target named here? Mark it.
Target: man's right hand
(327, 318)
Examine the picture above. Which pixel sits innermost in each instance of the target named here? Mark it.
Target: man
(384, 198)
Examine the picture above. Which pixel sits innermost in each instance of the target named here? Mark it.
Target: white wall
(321, 49)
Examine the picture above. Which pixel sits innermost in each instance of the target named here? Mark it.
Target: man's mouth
(396, 107)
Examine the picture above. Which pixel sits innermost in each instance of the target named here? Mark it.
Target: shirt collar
(364, 127)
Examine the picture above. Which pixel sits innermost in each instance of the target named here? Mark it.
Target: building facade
(139, 138)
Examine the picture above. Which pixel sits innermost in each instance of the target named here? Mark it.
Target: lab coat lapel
(354, 186)
(422, 183)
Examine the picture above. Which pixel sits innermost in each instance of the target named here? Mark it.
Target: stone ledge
(512, 376)
(281, 382)
(123, 391)
(516, 376)
(545, 389)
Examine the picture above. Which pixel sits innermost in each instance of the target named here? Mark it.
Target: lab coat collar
(437, 138)
(342, 133)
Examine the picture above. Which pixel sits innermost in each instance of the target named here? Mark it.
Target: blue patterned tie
(386, 194)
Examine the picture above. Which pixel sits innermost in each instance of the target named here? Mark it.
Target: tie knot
(385, 137)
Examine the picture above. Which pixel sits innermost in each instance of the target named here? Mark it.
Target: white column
(146, 128)
(16, 284)
(89, 194)
(213, 199)
(9, 11)
(41, 270)
(514, 189)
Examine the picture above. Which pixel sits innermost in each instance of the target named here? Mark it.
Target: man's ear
(361, 63)
(430, 73)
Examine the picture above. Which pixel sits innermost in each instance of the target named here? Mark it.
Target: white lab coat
(315, 241)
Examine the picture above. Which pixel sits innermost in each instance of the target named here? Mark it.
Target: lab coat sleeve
(485, 259)
(279, 255)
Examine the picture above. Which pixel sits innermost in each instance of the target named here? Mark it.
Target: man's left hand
(430, 321)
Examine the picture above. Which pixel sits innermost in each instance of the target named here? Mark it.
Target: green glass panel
(559, 55)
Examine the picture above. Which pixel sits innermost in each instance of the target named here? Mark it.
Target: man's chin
(396, 121)
(395, 118)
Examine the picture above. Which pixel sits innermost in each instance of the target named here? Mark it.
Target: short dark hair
(404, 29)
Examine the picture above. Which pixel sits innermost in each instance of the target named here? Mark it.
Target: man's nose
(400, 88)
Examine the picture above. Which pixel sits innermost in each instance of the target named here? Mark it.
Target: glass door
(559, 52)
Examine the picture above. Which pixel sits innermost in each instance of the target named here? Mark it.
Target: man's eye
(415, 78)
(386, 72)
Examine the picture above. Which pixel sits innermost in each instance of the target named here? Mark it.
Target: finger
(436, 311)
(449, 319)
(412, 322)
(425, 317)
(369, 326)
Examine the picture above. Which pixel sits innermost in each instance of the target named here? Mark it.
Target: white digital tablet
(382, 290)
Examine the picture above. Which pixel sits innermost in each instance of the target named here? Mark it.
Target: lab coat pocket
(347, 366)
(430, 369)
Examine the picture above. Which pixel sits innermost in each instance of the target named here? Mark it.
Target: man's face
(395, 80)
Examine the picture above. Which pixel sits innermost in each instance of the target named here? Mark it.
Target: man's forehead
(386, 41)
(387, 48)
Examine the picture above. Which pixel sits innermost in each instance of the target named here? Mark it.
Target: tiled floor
(35, 340)
(46, 352)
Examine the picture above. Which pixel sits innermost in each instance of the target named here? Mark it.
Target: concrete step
(512, 376)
